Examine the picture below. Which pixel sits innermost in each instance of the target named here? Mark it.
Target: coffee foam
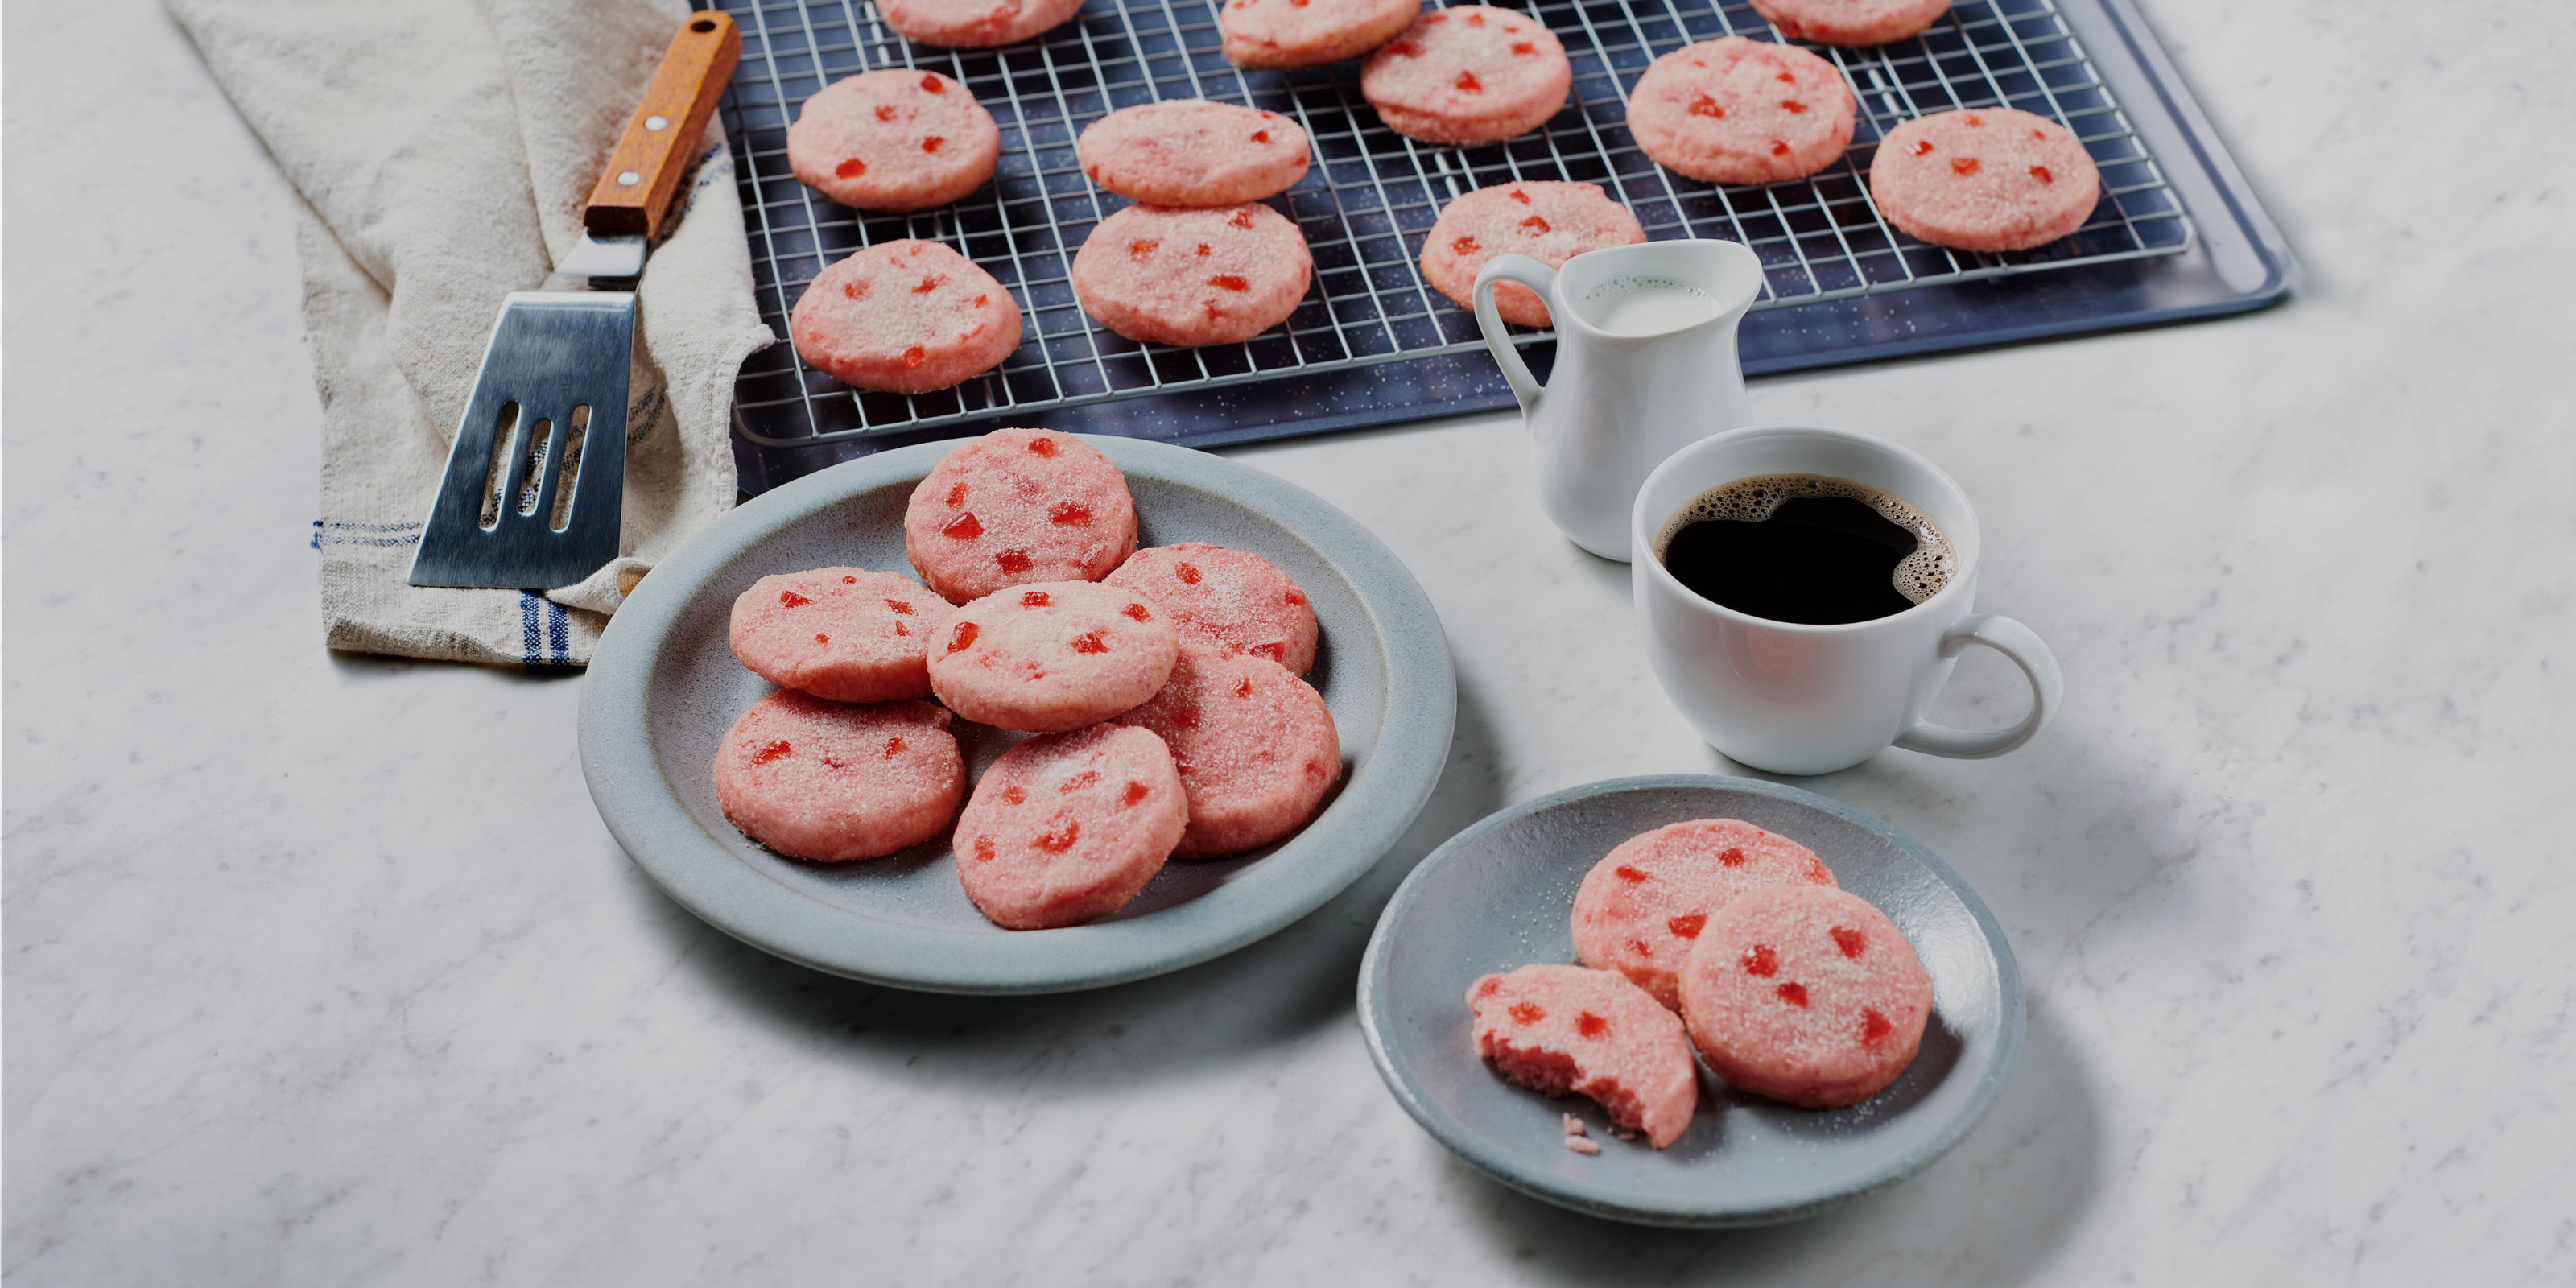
(1918, 577)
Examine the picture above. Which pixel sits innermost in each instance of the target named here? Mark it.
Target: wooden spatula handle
(645, 168)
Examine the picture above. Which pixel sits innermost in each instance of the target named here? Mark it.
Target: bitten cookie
(1256, 747)
(846, 634)
(1067, 828)
(1805, 994)
(1742, 111)
(1015, 506)
(1191, 152)
(1305, 33)
(1231, 601)
(974, 24)
(1988, 179)
(904, 317)
(1468, 74)
(1851, 22)
(1549, 222)
(1051, 656)
(1644, 904)
(893, 139)
(1213, 275)
(831, 781)
(1565, 1030)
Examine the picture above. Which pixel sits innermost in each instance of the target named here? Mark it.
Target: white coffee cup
(1798, 699)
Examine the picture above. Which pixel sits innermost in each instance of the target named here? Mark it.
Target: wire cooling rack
(1371, 194)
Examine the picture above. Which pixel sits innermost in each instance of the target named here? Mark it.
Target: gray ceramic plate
(1500, 895)
(664, 687)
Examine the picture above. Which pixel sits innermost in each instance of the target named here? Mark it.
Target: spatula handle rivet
(629, 179)
(657, 123)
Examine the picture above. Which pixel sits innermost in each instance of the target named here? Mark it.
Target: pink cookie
(1805, 994)
(1549, 222)
(1213, 275)
(846, 634)
(1256, 747)
(1305, 33)
(974, 24)
(1067, 827)
(905, 317)
(1018, 506)
(1564, 1030)
(1191, 152)
(1232, 601)
(893, 139)
(1741, 111)
(1469, 74)
(1051, 656)
(1851, 22)
(1643, 905)
(831, 781)
(1988, 179)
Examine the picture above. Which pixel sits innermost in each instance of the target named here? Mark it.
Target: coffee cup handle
(1527, 272)
(2038, 665)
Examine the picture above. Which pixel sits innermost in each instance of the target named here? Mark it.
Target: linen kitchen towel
(443, 149)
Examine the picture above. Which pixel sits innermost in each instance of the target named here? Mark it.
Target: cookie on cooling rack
(1307, 33)
(1549, 222)
(1989, 178)
(1851, 22)
(1468, 74)
(974, 24)
(906, 317)
(895, 139)
(1213, 275)
(1018, 506)
(1733, 110)
(1192, 152)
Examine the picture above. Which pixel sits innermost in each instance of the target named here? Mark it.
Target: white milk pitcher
(1645, 366)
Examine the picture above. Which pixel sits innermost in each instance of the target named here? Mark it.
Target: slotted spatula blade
(537, 477)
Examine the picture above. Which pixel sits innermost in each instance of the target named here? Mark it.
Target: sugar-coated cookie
(1851, 22)
(1051, 656)
(1733, 110)
(847, 634)
(1549, 222)
(1805, 993)
(1644, 904)
(1256, 747)
(1468, 74)
(1192, 152)
(1232, 601)
(1210, 275)
(1306, 33)
(1988, 178)
(906, 317)
(897, 138)
(1017, 506)
(1067, 828)
(1565, 1030)
(974, 24)
(831, 781)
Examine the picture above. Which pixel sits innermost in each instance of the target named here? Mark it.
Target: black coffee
(1807, 549)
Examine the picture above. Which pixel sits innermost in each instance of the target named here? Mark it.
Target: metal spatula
(537, 475)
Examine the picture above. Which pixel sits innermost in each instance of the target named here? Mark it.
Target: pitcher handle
(1527, 272)
(2038, 665)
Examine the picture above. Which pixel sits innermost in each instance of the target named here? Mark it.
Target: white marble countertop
(321, 969)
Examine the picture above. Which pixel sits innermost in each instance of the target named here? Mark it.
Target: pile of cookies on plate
(1719, 935)
(1162, 686)
(1200, 260)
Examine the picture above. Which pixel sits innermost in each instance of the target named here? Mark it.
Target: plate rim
(644, 813)
(1469, 1147)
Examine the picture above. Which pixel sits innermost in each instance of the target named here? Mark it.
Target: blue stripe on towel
(558, 633)
(532, 639)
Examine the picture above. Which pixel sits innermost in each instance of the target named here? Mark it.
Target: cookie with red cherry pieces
(1067, 828)
(1549, 222)
(974, 24)
(905, 317)
(1805, 993)
(1566, 1030)
(1307, 33)
(1232, 601)
(846, 634)
(834, 781)
(1733, 110)
(1988, 178)
(1643, 905)
(1051, 656)
(1192, 152)
(1468, 74)
(1211, 275)
(1015, 506)
(893, 139)
(1256, 746)
(1851, 22)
